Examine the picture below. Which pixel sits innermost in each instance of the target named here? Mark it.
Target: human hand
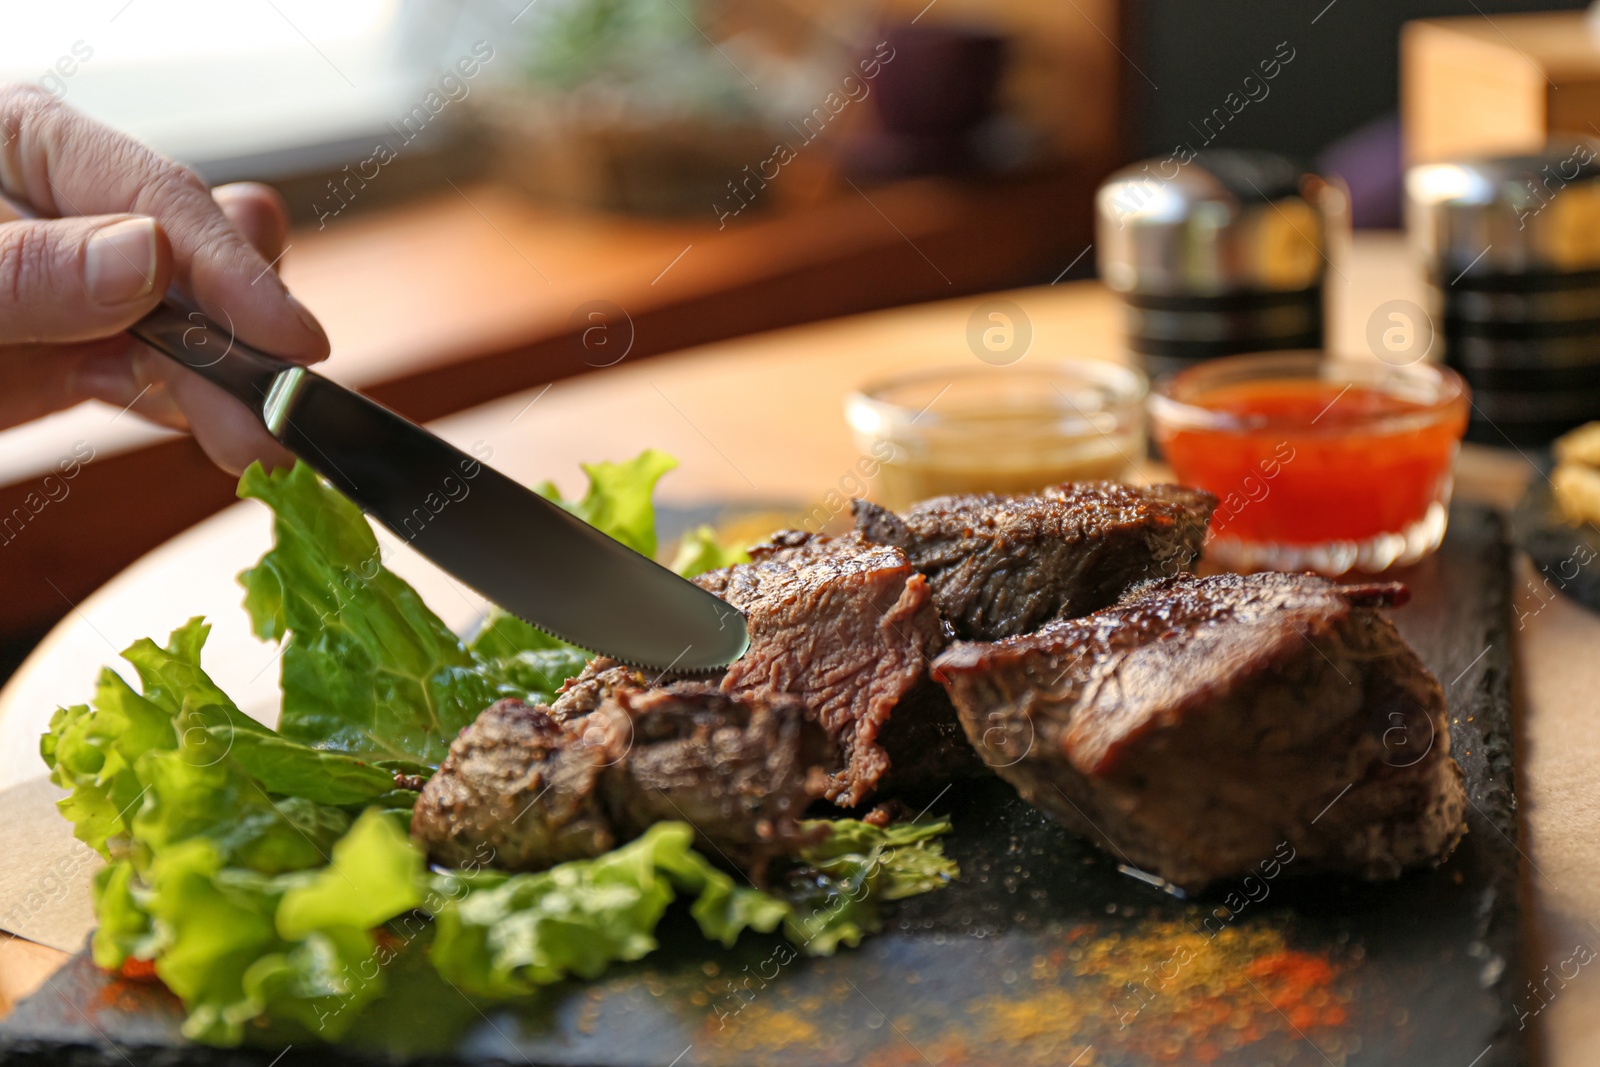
(119, 225)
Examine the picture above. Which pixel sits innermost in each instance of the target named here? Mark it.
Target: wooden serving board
(1042, 953)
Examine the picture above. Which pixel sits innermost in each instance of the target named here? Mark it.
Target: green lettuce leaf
(90, 751)
(503, 636)
(507, 935)
(156, 756)
(366, 667)
(835, 888)
(125, 928)
(375, 874)
(537, 676)
(524, 658)
(208, 720)
(904, 857)
(185, 799)
(210, 820)
(215, 925)
(699, 552)
(239, 945)
(619, 501)
(510, 934)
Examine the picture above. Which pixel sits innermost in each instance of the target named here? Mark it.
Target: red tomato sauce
(1312, 462)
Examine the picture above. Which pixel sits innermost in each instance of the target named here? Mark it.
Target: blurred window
(235, 87)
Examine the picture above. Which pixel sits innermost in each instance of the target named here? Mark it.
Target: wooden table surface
(759, 419)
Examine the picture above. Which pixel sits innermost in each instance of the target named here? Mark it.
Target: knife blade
(514, 547)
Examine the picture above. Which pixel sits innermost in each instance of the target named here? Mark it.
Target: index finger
(64, 163)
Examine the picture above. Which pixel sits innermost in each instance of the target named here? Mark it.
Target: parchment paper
(44, 870)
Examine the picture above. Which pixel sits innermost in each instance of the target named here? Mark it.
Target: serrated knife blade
(517, 549)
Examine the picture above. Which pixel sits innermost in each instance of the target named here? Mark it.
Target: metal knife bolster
(183, 332)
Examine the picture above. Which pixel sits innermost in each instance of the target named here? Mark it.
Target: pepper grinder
(1216, 254)
(1511, 247)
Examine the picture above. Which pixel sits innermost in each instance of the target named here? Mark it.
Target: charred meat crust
(519, 791)
(740, 770)
(846, 626)
(1001, 566)
(1199, 723)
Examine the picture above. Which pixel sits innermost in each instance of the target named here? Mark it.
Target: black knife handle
(179, 330)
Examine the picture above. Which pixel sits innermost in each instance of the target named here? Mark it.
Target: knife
(514, 547)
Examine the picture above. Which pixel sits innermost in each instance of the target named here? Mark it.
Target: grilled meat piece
(1006, 565)
(539, 792)
(1201, 722)
(740, 770)
(846, 626)
(520, 783)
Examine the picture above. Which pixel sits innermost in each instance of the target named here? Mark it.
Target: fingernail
(306, 317)
(119, 263)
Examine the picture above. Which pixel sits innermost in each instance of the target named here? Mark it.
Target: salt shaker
(1511, 247)
(1216, 254)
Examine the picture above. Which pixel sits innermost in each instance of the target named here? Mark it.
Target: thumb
(78, 279)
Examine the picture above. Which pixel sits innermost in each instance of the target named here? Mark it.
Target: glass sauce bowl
(1317, 464)
(1005, 429)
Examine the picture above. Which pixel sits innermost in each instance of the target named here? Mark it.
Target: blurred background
(529, 177)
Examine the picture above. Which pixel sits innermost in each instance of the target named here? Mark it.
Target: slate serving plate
(1042, 953)
(1566, 556)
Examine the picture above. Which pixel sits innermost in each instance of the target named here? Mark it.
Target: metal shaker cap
(1217, 223)
(1530, 214)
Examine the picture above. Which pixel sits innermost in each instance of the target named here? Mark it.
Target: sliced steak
(1006, 565)
(845, 626)
(519, 783)
(538, 792)
(1201, 722)
(739, 769)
